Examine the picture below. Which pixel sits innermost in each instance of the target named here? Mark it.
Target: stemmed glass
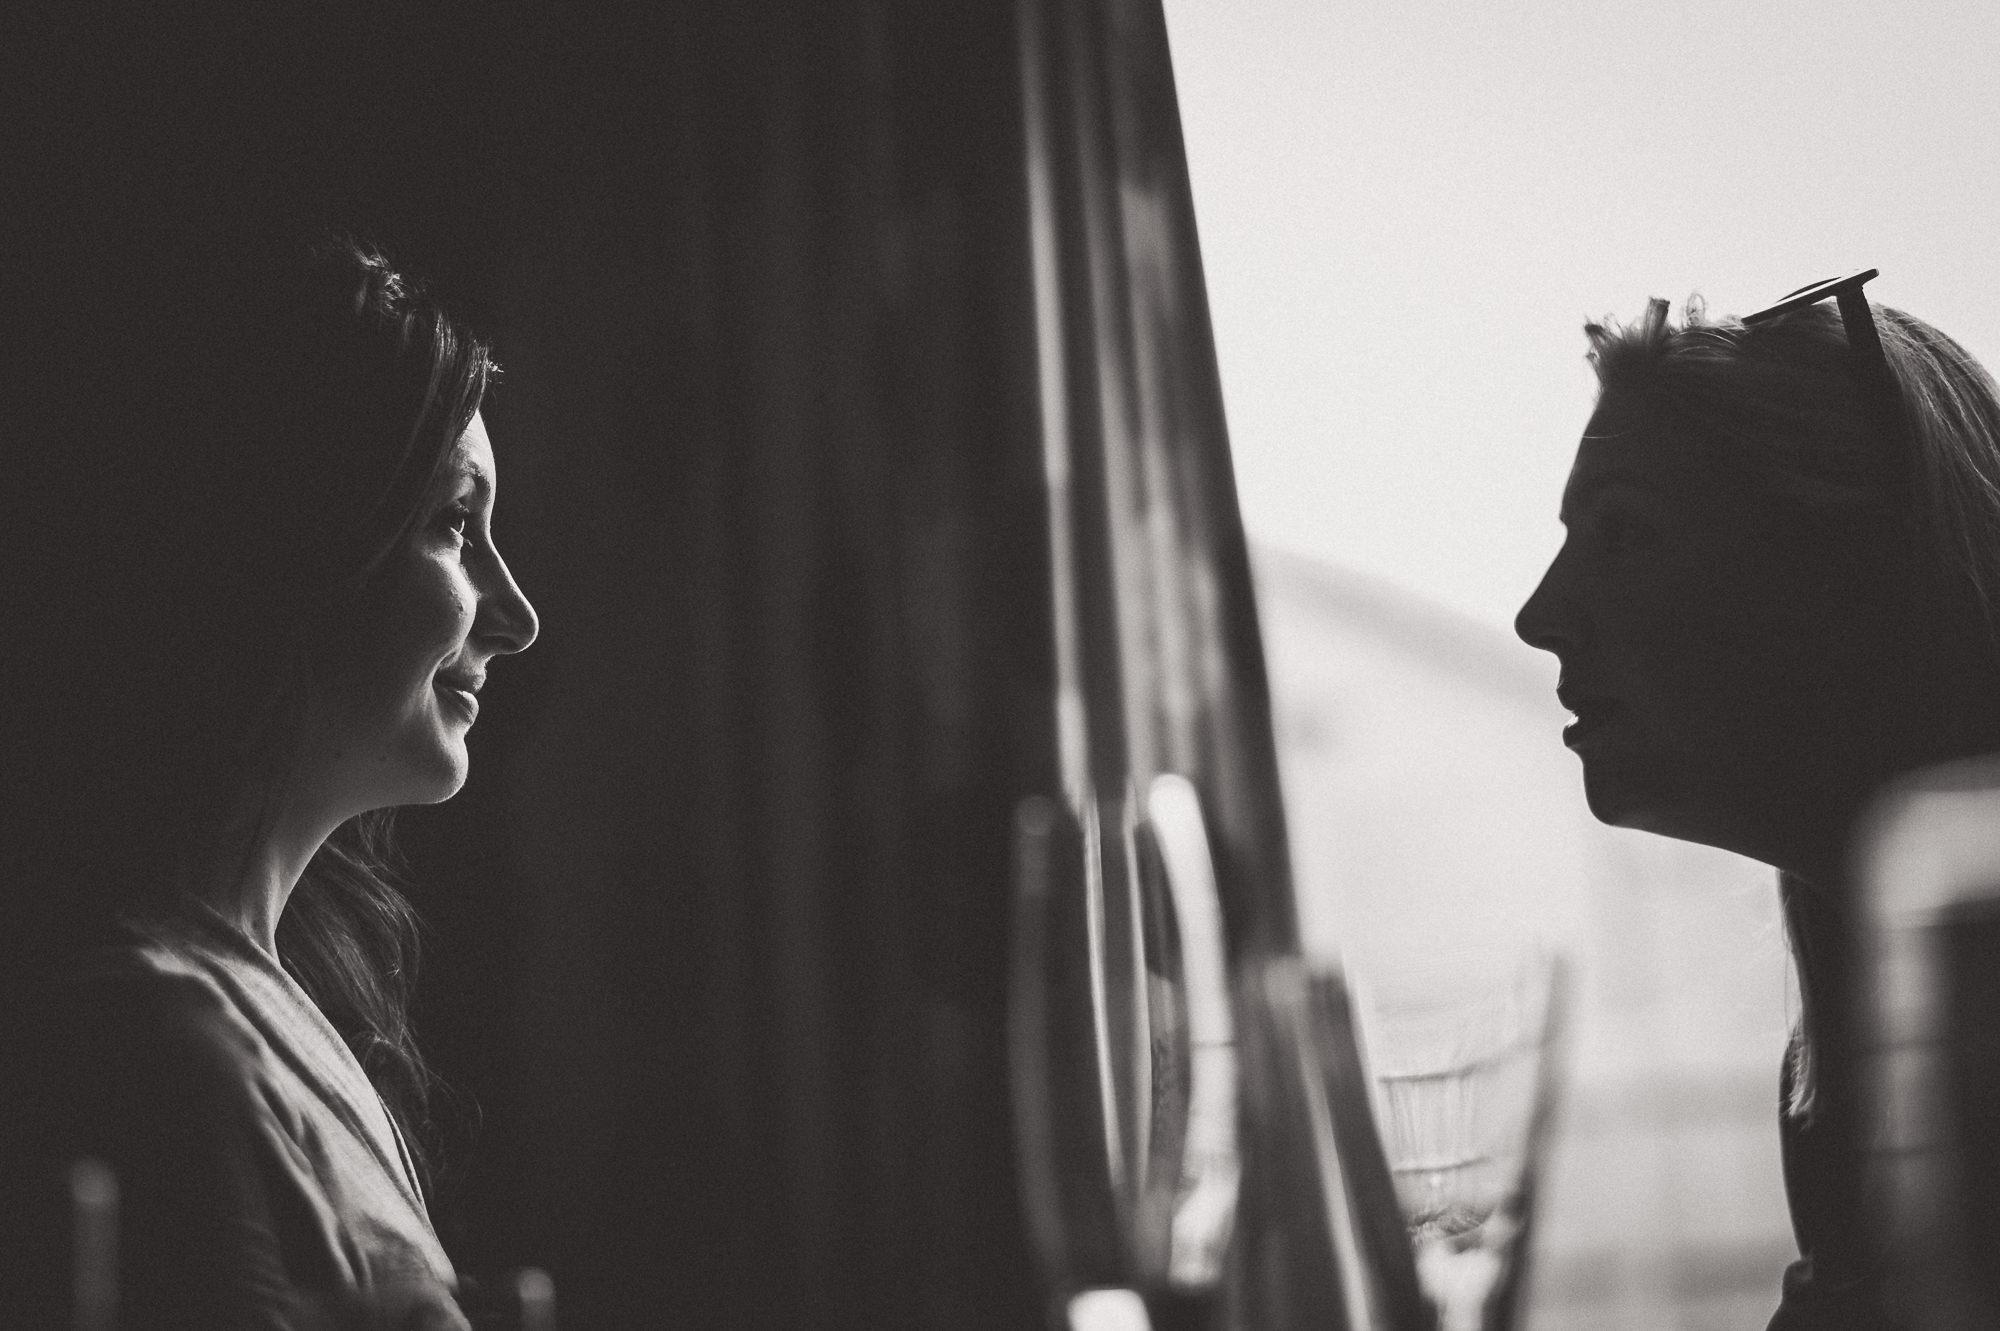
(1461, 1084)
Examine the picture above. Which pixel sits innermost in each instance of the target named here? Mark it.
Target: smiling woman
(1775, 597)
(252, 529)
(399, 689)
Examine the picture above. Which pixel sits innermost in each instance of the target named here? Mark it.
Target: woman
(253, 538)
(1778, 591)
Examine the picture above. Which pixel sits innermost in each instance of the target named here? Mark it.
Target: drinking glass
(1461, 1080)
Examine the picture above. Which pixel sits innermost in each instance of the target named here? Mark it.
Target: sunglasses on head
(1863, 341)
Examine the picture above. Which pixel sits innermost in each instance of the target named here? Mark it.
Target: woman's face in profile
(1717, 662)
(391, 709)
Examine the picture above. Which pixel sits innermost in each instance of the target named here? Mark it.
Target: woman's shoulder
(147, 1064)
(137, 1003)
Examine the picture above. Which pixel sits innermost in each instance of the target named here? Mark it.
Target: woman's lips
(462, 699)
(1591, 716)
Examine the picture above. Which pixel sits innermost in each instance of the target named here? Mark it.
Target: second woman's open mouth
(1592, 714)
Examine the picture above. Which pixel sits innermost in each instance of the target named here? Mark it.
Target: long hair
(226, 438)
(1780, 406)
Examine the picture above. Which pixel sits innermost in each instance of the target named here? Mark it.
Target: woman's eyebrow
(1637, 480)
(1587, 490)
(464, 468)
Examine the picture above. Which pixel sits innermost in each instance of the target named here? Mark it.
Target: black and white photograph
(1006, 665)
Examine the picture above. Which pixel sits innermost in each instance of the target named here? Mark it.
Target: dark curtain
(718, 937)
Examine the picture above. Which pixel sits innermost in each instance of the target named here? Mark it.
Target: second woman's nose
(1547, 620)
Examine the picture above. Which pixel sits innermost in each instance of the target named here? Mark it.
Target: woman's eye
(453, 521)
(1623, 533)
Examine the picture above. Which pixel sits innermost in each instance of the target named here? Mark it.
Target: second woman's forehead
(1623, 447)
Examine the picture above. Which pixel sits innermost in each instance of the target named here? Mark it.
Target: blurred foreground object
(1930, 875)
(519, 1300)
(1124, 1059)
(58, 1239)
(93, 1203)
(1124, 1063)
(1153, 876)
(1463, 1083)
(1332, 1251)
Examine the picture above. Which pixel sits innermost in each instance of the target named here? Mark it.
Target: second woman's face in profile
(391, 712)
(1718, 663)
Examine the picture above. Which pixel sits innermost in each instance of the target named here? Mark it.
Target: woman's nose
(509, 623)
(1546, 619)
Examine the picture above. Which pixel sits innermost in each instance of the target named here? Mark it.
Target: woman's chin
(1671, 812)
(442, 792)
(451, 780)
(1620, 798)
(1610, 807)
(434, 776)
